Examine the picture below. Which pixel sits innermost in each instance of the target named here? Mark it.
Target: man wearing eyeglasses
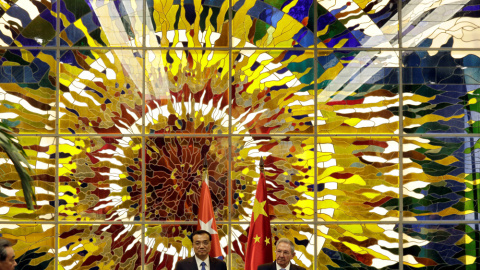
(284, 252)
(202, 243)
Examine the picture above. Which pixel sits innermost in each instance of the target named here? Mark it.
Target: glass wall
(366, 112)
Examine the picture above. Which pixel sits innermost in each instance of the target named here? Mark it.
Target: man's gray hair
(4, 243)
(287, 241)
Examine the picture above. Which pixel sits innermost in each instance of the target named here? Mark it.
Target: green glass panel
(441, 179)
(454, 245)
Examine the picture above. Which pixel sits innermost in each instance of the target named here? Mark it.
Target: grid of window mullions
(316, 135)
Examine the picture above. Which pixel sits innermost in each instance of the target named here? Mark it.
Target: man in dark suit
(284, 252)
(202, 243)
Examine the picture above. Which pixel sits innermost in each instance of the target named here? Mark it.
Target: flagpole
(262, 165)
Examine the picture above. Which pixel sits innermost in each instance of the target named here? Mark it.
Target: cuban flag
(206, 219)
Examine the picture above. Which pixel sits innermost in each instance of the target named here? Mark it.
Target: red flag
(259, 244)
(206, 219)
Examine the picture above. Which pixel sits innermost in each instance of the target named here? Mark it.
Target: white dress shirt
(278, 267)
(199, 262)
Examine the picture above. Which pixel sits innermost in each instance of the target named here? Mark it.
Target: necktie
(282, 269)
(203, 265)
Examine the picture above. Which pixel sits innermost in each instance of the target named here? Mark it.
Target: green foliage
(18, 156)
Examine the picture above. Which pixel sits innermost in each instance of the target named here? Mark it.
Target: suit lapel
(193, 263)
(212, 263)
(273, 266)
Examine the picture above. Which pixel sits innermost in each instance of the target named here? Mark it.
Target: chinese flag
(259, 244)
(206, 219)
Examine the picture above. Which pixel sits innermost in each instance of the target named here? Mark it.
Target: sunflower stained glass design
(365, 112)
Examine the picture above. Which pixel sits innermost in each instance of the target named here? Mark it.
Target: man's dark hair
(201, 232)
(4, 243)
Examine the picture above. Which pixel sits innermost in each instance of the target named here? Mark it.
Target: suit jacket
(273, 266)
(191, 264)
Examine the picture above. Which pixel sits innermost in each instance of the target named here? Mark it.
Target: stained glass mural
(99, 94)
(102, 246)
(35, 243)
(272, 92)
(447, 245)
(27, 82)
(273, 24)
(365, 113)
(194, 97)
(28, 23)
(359, 94)
(289, 176)
(41, 153)
(346, 246)
(99, 178)
(188, 23)
(441, 90)
(441, 179)
(174, 173)
(448, 25)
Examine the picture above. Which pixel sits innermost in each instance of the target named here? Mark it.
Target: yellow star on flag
(267, 241)
(257, 238)
(259, 208)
